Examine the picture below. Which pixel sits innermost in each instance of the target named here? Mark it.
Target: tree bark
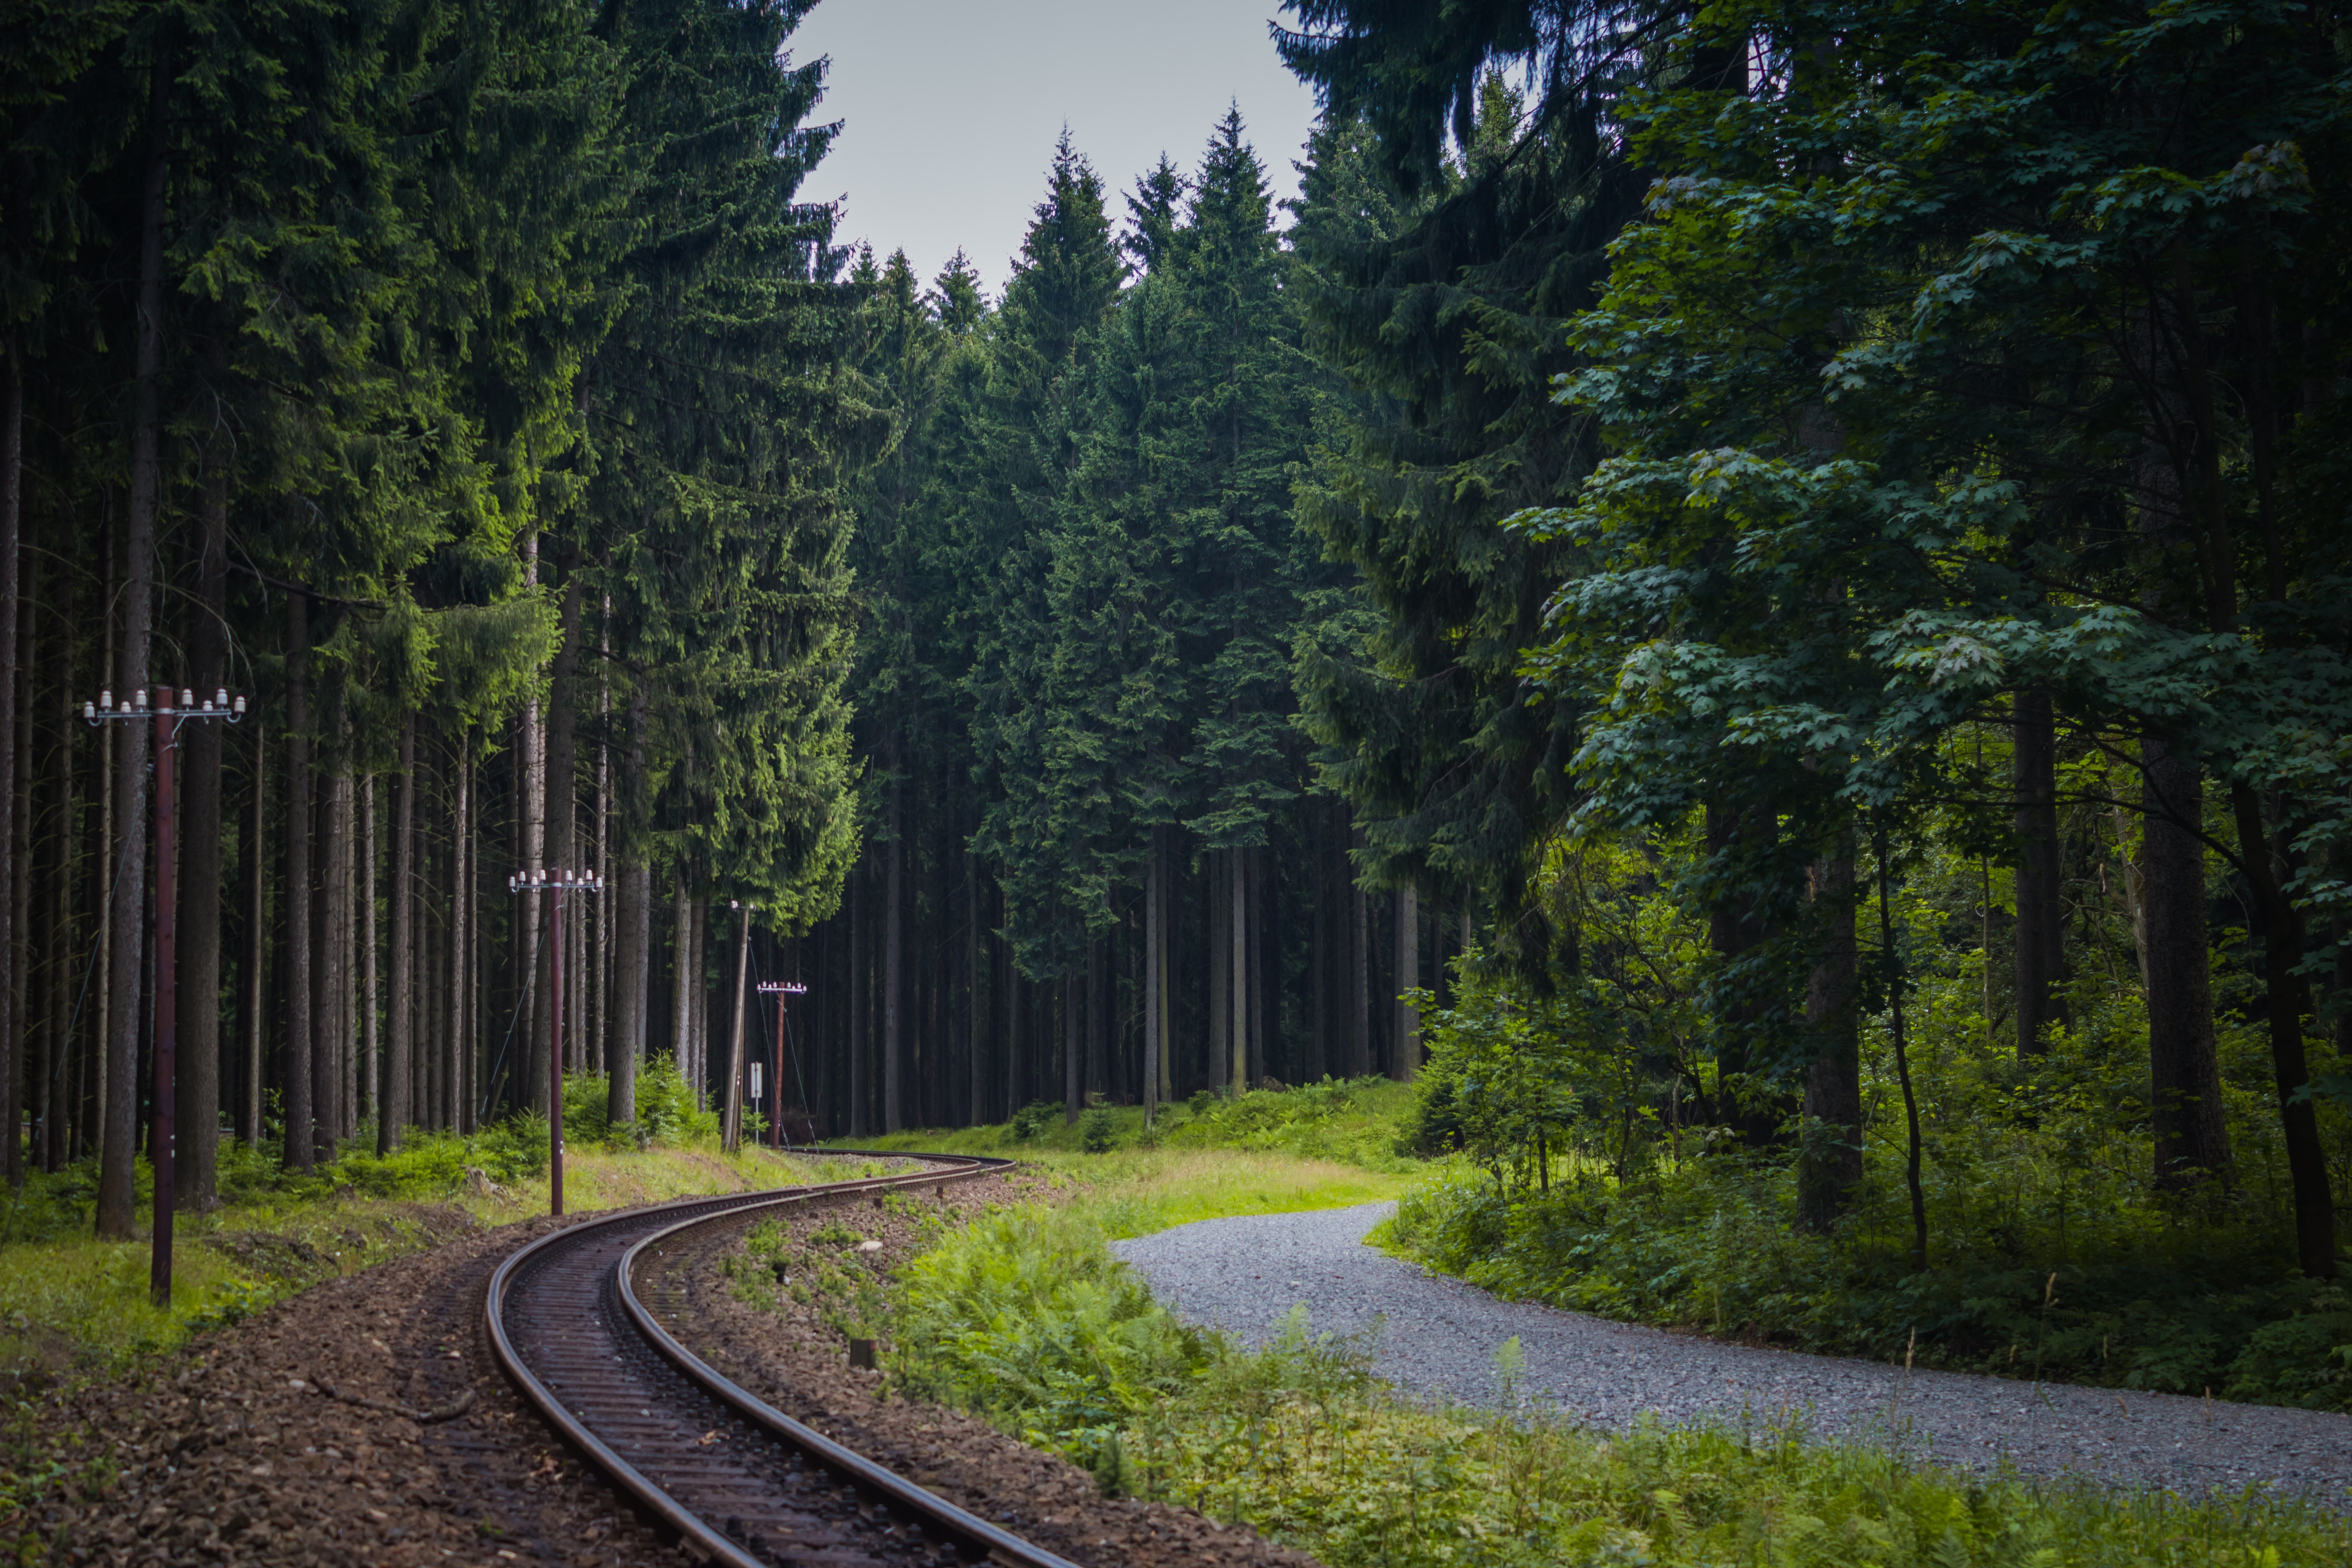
(1220, 906)
(974, 996)
(202, 746)
(56, 1088)
(256, 932)
(294, 914)
(459, 1045)
(12, 488)
(2191, 1139)
(330, 1003)
(681, 1004)
(121, 1138)
(1097, 1079)
(2287, 994)
(1405, 1063)
(371, 975)
(394, 1114)
(635, 962)
(1360, 977)
(561, 746)
(1154, 975)
(1829, 1159)
(1073, 1087)
(857, 1002)
(2040, 960)
(601, 1026)
(21, 998)
(894, 959)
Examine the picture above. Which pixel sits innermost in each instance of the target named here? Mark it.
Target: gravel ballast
(1437, 1336)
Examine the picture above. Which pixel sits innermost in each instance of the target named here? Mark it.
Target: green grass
(1025, 1318)
(1352, 1123)
(72, 1306)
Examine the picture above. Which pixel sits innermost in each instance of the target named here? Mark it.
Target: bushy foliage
(1025, 1317)
(1587, 1182)
(1353, 1122)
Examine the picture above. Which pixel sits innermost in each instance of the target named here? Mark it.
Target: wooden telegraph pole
(779, 989)
(555, 884)
(168, 716)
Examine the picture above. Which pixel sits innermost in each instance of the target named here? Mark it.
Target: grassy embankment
(71, 1305)
(1026, 1319)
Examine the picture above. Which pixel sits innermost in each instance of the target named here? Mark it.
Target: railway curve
(740, 1482)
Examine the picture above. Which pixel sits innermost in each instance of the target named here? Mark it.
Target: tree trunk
(371, 977)
(893, 945)
(700, 998)
(2040, 920)
(19, 885)
(462, 917)
(1154, 975)
(1742, 1099)
(1360, 977)
(57, 1087)
(1221, 968)
(682, 1026)
(1097, 1074)
(600, 1027)
(12, 489)
(2191, 1139)
(129, 923)
(1829, 1150)
(633, 964)
(974, 996)
(560, 749)
(1073, 1087)
(202, 745)
(331, 955)
(256, 932)
(857, 966)
(394, 1115)
(1404, 1063)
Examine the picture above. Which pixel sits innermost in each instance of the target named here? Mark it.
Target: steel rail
(974, 1538)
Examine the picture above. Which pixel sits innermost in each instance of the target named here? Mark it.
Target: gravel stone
(1438, 1336)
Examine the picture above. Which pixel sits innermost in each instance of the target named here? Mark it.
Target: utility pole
(555, 884)
(779, 989)
(168, 717)
(732, 1126)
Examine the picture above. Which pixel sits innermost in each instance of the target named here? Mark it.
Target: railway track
(578, 1327)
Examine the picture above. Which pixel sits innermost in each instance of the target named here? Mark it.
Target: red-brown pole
(167, 1008)
(555, 1046)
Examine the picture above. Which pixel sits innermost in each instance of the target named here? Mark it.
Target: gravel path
(1440, 1337)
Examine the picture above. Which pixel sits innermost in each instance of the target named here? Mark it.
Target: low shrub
(1024, 1317)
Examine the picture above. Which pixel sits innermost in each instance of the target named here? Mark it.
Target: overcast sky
(951, 108)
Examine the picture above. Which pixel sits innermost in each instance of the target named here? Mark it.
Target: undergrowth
(1025, 1318)
(73, 1305)
(1351, 1121)
(2053, 1252)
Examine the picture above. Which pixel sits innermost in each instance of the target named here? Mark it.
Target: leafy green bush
(1097, 1130)
(1024, 1317)
(1034, 1119)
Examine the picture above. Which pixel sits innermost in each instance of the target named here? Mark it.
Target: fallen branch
(439, 1413)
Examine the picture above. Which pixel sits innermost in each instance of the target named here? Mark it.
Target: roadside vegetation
(1026, 1319)
(1579, 1178)
(74, 1305)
